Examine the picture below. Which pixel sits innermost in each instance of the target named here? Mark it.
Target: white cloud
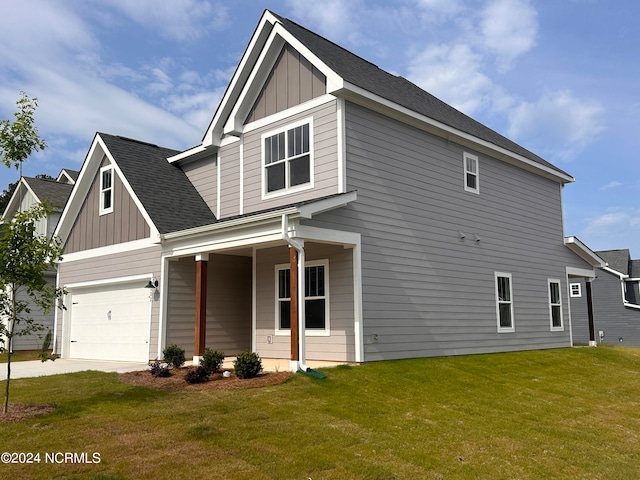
(616, 227)
(452, 73)
(509, 29)
(558, 124)
(182, 20)
(611, 185)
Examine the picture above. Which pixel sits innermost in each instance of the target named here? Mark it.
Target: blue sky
(560, 77)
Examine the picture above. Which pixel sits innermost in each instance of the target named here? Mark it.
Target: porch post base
(592, 343)
(293, 365)
(196, 360)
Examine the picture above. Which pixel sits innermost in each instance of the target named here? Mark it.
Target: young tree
(18, 139)
(25, 256)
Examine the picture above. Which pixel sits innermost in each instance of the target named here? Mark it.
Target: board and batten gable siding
(108, 267)
(228, 326)
(325, 154)
(609, 313)
(426, 291)
(92, 230)
(203, 174)
(292, 81)
(28, 201)
(339, 345)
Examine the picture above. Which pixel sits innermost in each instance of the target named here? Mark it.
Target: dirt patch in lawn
(18, 411)
(216, 381)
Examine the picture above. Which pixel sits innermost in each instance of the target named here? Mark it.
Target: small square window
(575, 289)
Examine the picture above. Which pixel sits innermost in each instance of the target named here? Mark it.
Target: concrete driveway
(36, 368)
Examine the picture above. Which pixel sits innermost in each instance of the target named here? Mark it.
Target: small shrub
(247, 365)
(159, 369)
(212, 360)
(174, 356)
(198, 374)
(43, 353)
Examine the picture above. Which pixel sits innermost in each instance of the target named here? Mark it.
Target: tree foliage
(18, 139)
(25, 257)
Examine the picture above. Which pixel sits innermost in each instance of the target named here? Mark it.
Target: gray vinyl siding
(340, 345)
(609, 313)
(203, 174)
(92, 230)
(34, 340)
(228, 304)
(325, 152)
(293, 80)
(229, 159)
(426, 292)
(580, 314)
(137, 262)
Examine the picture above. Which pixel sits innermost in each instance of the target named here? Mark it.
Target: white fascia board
(109, 250)
(618, 274)
(370, 100)
(195, 152)
(631, 305)
(588, 274)
(214, 132)
(576, 246)
(331, 203)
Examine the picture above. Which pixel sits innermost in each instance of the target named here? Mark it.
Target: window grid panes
(106, 190)
(555, 303)
(470, 173)
(576, 289)
(505, 304)
(287, 158)
(315, 298)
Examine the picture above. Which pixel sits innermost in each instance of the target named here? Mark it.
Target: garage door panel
(110, 322)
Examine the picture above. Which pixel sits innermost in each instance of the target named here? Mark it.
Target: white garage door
(110, 322)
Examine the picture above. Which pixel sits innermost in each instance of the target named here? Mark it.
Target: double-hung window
(504, 302)
(316, 295)
(288, 158)
(106, 190)
(555, 305)
(471, 178)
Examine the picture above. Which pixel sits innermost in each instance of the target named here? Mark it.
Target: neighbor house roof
(50, 191)
(618, 260)
(401, 91)
(170, 199)
(634, 268)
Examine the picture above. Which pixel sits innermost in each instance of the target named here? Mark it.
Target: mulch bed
(216, 381)
(18, 412)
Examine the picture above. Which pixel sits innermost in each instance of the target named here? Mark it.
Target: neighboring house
(28, 193)
(412, 229)
(616, 302)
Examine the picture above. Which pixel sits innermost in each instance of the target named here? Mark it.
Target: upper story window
(288, 158)
(471, 178)
(106, 190)
(504, 302)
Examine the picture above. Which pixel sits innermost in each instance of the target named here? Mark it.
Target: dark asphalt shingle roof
(170, 199)
(618, 260)
(634, 268)
(50, 191)
(401, 91)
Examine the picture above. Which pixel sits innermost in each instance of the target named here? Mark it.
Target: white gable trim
(14, 201)
(90, 168)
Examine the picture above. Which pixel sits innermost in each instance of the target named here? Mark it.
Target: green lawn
(561, 414)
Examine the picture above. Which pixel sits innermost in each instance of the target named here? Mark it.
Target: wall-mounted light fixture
(153, 283)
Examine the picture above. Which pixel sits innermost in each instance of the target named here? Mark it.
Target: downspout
(293, 243)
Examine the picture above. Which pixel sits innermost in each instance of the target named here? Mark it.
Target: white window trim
(561, 327)
(263, 168)
(467, 188)
(578, 294)
(327, 316)
(512, 328)
(104, 211)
